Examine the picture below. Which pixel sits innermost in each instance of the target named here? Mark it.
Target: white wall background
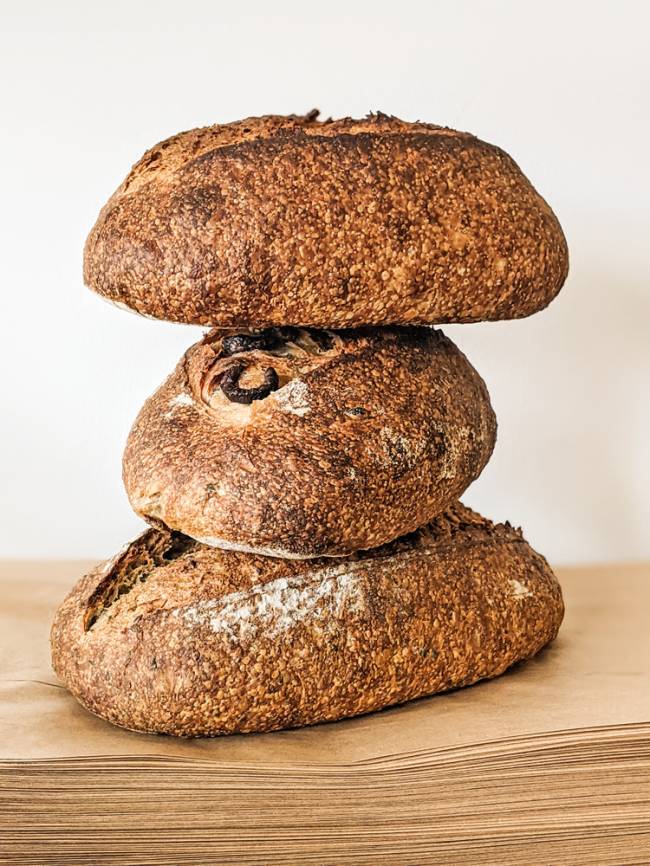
(563, 86)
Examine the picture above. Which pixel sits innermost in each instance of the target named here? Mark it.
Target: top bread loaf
(291, 221)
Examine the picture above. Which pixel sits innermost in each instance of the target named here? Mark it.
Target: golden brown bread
(176, 637)
(371, 433)
(289, 221)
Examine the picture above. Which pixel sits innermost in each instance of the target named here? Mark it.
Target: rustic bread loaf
(368, 434)
(176, 637)
(289, 221)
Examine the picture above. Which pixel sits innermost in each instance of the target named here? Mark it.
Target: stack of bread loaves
(308, 558)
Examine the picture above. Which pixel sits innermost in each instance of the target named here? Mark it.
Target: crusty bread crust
(364, 441)
(288, 221)
(176, 637)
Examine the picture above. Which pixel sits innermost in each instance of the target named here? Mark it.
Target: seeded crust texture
(290, 221)
(176, 637)
(365, 440)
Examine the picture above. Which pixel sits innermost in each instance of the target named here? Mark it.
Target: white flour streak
(519, 590)
(179, 400)
(397, 449)
(294, 398)
(275, 607)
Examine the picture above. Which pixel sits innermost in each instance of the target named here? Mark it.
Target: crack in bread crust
(132, 566)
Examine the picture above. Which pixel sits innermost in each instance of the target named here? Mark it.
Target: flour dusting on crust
(519, 590)
(294, 398)
(181, 399)
(330, 594)
(398, 450)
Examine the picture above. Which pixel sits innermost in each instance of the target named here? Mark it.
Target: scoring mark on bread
(251, 367)
(132, 567)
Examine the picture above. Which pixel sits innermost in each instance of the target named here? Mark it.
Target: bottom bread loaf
(176, 637)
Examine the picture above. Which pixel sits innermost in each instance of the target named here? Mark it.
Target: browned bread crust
(176, 637)
(371, 434)
(289, 221)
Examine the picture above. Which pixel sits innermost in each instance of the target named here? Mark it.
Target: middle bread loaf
(300, 443)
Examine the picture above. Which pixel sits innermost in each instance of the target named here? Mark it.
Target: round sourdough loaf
(369, 434)
(290, 221)
(176, 637)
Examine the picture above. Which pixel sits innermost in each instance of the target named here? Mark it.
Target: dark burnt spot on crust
(229, 384)
(248, 342)
(439, 443)
(274, 339)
